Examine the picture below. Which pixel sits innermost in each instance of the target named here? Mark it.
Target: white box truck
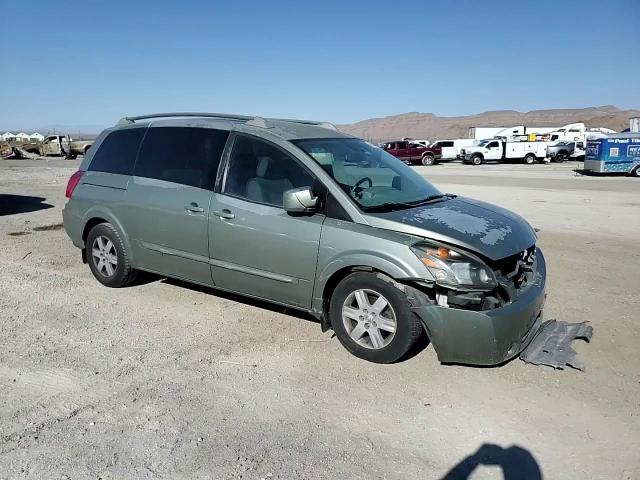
(502, 149)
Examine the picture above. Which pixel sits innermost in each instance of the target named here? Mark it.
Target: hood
(487, 229)
(475, 148)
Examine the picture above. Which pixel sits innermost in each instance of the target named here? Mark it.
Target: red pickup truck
(412, 153)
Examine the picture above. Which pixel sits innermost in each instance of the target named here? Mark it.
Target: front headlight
(454, 269)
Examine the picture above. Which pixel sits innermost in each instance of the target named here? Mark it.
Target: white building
(36, 137)
(6, 136)
(22, 137)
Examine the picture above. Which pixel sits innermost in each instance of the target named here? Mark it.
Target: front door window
(261, 173)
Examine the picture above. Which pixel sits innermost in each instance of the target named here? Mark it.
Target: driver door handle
(226, 214)
(193, 208)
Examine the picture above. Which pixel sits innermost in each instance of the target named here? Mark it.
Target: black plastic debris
(552, 344)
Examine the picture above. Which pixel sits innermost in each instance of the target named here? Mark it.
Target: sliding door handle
(193, 208)
(225, 214)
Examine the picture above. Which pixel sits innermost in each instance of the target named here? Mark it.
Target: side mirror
(299, 200)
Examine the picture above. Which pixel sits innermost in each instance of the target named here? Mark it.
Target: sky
(89, 63)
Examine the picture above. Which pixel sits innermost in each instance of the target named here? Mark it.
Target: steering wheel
(356, 190)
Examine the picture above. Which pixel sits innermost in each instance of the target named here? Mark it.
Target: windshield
(483, 143)
(370, 176)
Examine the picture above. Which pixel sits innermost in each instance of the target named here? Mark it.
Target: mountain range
(433, 127)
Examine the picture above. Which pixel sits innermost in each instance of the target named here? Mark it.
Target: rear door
(168, 200)
(448, 150)
(257, 248)
(392, 148)
(403, 152)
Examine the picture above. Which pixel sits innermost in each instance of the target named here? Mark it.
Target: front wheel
(476, 160)
(428, 160)
(373, 319)
(636, 172)
(530, 159)
(560, 157)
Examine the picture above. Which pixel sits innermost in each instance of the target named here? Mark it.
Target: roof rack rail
(253, 120)
(328, 125)
(126, 120)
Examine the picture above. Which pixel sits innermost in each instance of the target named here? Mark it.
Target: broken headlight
(455, 269)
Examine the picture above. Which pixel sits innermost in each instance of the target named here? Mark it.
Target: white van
(452, 149)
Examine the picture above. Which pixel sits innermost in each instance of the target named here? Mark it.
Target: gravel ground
(166, 380)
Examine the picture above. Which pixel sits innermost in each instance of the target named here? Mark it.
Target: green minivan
(298, 213)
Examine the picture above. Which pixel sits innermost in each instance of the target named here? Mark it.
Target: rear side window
(117, 152)
(446, 144)
(185, 155)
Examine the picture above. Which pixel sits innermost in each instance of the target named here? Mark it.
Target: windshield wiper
(432, 198)
(402, 205)
(387, 206)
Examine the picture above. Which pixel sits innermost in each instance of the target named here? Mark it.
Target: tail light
(73, 183)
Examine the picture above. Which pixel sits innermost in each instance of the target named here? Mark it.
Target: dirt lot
(132, 383)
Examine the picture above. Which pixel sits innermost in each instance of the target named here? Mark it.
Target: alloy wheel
(369, 319)
(105, 256)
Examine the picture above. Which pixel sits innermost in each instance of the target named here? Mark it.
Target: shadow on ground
(517, 463)
(254, 302)
(14, 204)
(145, 278)
(589, 173)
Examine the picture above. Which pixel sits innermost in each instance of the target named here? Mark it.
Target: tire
(428, 160)
(476, 160)
(375, 344)
(636, 172)
(560, 157)
(103, 242)
(529, 159)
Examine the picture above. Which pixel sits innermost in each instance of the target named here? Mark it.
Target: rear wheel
(476, 160)
(373, 319)
(560, 157)
(428, 160)
(636, 172)
(108, 258)
(530, 159)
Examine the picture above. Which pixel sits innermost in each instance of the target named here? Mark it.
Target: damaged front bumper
(488, 337)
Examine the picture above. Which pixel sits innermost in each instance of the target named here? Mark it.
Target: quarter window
(117, 152)
(184, 155)
(261, 173)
